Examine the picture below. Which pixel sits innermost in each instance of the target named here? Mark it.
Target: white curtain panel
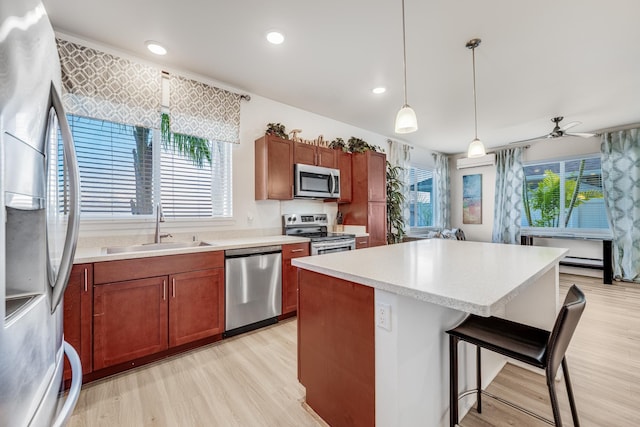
(442, 207)
(400, 155)
(107, 87)
(507, 212)
(620, 155)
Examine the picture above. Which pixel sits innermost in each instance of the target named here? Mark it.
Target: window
(564, 195)
(421, 197)
(117, 174)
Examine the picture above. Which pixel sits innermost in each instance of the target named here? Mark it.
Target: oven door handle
(334, 243)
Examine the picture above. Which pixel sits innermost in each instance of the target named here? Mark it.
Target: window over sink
(125, 171)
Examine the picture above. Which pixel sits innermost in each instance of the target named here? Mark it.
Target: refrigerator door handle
(74, 390)
(69, 250)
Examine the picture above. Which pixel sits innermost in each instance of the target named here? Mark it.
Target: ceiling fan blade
(570, 125)
(538, 138)
(583, 135)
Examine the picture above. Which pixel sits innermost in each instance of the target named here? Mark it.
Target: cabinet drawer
(139, 268)
(295, 250)
(362, 242)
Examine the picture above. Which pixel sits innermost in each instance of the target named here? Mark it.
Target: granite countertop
(98, 254)
(468, 276)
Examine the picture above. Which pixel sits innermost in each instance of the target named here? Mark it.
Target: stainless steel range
(314, 226)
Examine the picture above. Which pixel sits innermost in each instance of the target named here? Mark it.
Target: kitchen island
(372, 348)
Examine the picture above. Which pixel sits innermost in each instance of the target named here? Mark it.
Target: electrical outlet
(383, 316)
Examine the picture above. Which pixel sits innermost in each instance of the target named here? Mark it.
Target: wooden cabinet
(344, 164)
(314, 155)
(368, 200)
(196, 306)
(145, 306)
(290, 275)
(362, 242)
(130, 320)
(273, 168)
(78, 303)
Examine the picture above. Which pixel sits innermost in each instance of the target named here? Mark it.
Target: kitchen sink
(154, 247)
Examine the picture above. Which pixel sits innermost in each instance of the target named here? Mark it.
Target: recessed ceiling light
(379, 90)
(156, 48)
(275, 37)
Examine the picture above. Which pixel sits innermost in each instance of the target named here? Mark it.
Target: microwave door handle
(69, 250)
(332, 188)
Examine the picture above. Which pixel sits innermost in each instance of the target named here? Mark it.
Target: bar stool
(533, 346)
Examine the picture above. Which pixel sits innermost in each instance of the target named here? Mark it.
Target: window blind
(191, 191)
(420, 197)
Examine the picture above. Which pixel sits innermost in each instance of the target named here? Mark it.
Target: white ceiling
(538, 59)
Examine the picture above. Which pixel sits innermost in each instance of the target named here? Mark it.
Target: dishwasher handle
(255, 251)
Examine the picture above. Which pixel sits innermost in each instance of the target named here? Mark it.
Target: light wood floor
(251, 380)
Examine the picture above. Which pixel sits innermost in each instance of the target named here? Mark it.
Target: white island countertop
(472, 277)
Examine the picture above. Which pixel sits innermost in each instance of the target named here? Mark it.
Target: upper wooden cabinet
(273, 168)
(369, 195)
(344, 164)
(314, 155)
(78, 304)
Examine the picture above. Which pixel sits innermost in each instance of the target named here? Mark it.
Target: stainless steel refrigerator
(39, 207)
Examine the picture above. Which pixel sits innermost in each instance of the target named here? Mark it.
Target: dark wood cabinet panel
(129, 320)
(368, 201)
(273, 168)
(362, 242)
(78, 304)
(139, 268)
(196, 306)
(377, 223)
(313, 155)
(344, 164)
(290, 275)
(336, 349)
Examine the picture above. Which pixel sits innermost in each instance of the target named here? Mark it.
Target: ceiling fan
(559, 132)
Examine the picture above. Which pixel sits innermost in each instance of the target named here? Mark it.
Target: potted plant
(395, 204)
(357, 145)
(338, 144)
(276, 129)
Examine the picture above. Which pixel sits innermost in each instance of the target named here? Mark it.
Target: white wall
(544, 150)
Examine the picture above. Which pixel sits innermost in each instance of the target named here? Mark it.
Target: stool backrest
(563, 329)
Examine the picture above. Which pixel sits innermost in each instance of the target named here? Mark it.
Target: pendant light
(406, 121)
(476, 147)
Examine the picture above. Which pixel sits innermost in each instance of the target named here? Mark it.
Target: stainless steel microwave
(316, 182)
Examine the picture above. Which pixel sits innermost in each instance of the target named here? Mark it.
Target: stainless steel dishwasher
(253, 288)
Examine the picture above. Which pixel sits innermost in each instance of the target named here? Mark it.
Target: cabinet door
(377, 169)
(344, 164)
(290, 275)
(377, 223)
(326, 157)
(304, 153)
(129, 320)
(196, 306)
(78, 298)
(362, 242)
(273, 168)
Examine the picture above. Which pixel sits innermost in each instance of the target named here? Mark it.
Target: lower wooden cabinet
(78, 303)
(377, 223)
(129, 320)
(290, 275)
(196, 306)
(362, 242)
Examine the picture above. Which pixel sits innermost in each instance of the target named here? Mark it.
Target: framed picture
(472, 199)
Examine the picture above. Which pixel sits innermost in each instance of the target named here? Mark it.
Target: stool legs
(478, 380)
(453, 381)
(572, 403)
(554, 398)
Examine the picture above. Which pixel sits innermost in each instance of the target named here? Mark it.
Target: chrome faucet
(159, 219)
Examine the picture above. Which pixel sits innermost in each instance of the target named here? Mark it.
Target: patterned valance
(203, 111)
(107, 87)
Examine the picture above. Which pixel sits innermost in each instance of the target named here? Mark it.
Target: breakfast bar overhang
(371, 343)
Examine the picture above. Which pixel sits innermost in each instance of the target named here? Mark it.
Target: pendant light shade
(406, 121)
(476, 147)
